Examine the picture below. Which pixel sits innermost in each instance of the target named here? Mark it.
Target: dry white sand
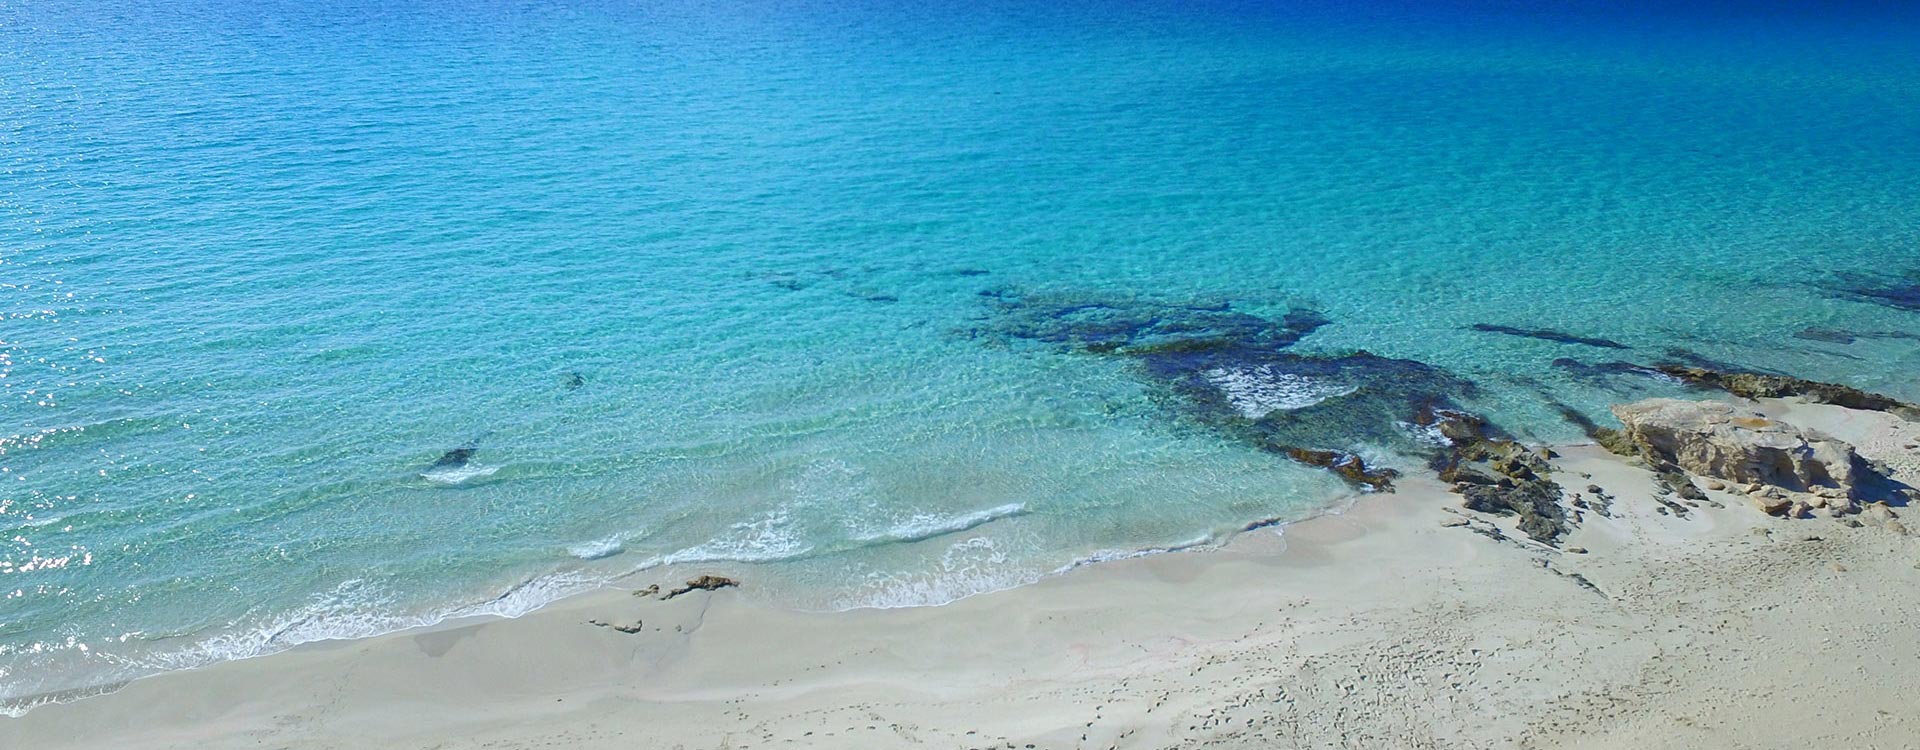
(1389, 626)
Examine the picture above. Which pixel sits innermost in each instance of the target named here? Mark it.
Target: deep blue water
(755, 284)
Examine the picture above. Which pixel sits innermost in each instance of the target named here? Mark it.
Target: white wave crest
(458, 474)
(924, 526)
(769, 538)
(1111, 555)
(969, 567)
(1429, 434)
(601, 548)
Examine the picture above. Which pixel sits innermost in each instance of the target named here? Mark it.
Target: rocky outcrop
(1713, 439)
(1495, 474)
(1757, 385)
(1345, 465)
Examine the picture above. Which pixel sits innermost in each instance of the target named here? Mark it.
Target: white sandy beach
(1388, 626)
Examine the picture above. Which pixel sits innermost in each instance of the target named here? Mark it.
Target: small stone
(1753, 487)
(1577, 550)
(1714, 484)
(1772, 506)
(1815, 501)
(1453, 523)
(1838, 568)
(1851, 523)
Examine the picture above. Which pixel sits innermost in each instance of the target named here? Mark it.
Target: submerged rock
(1690, 358)
(1545, 334)
(1348, 466)
(454, 459)
(1598, 372)
(1837, 336)
(1711, 439)
(1228, 371)
(1828, 335)
(1131, 325)
(1900, 291)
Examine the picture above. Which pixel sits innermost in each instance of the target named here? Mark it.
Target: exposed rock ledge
(1784, 468)
(1711, 438)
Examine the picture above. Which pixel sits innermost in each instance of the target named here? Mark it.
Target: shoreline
(617, 586)
(1381, 625)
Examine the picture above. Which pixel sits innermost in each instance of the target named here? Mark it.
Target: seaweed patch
(1838, 336)
(1601, 372)
(1545, 334)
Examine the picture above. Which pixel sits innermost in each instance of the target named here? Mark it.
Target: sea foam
(1259, 391)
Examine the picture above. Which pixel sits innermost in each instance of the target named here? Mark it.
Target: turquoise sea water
(753, 284)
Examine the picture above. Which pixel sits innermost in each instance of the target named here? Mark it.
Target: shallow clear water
(702, 282)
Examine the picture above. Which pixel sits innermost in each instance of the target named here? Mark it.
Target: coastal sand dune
(1392, 625)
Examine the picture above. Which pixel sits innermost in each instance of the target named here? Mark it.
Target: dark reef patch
(1837, 336)
(1692, 358)
(1229, 371)
(1107, 326)
(1899, 291)
(1602, 372)
(872, 296)
(455, 458)
(1606, 437)
(1545, 334)
(1829, 335)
